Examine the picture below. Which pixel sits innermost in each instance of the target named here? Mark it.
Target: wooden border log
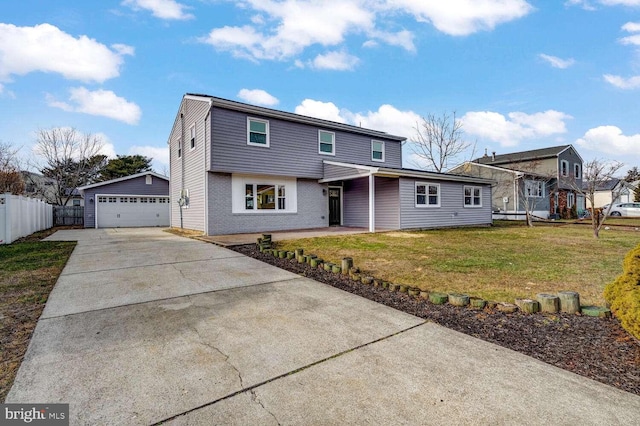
(528, 306)
(548, 302)
(438, 298)
(424, 294)
(291, 255)
(596, 311)
(402, 288)
(385, 284)
(392, 287)
(299, 252)
(315, 262)
(477, 302)
(301, 258)
(569, 302)
(377, 283)
(336, 269)
(328, 266)
(413, 292)
(347, 264)
(458, 299)
(507, 308)
(366, 280)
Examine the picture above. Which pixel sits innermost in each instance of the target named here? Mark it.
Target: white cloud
(588, 5)
(464, 17)
(623, 83)
(46, 48)
(386, 119)
(160, 155)
(99, 102)
(610, 139)
(632, 27)
(336, 61)
(510, 130)
(282, 30)
(258, 97)
(298, 24)
(319, 109)
(556, 62)
(163, 9)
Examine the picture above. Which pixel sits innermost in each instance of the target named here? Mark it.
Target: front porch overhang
(335, 171)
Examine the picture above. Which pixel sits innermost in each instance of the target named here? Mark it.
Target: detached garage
(131, 201)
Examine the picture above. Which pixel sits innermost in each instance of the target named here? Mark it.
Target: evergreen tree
(125, 165)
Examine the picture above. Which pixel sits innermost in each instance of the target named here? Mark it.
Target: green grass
(503, 262)
(28, 272)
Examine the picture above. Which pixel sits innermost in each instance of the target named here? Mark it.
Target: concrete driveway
(146, 327)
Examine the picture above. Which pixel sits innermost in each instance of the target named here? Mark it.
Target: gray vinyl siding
(135, 186)
(451, 211)
(312, 209)
(336, 172)
(569, 182)
(535, 204)
(189, 171)
(387, 203)
(293, 147)
(356, 203)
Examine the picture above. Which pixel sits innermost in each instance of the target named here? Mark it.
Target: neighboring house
(137, 200)
(559, 166)
(514, 192)
(239, 168)
(44, 188)
(612, 191)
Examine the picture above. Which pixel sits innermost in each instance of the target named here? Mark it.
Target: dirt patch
(599, 349)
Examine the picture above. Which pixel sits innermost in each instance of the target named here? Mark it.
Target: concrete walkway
(146, 327)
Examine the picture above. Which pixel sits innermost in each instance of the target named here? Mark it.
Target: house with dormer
(241, 168)
(548, 177)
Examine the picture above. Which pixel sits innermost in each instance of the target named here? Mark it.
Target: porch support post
(372, 203)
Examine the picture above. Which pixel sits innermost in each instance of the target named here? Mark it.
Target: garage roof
(109, 182)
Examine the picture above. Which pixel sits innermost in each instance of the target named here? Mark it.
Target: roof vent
(493, 156)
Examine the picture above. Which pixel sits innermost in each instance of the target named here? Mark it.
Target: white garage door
(130, 211)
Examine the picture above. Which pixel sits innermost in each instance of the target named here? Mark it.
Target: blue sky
(519, 74)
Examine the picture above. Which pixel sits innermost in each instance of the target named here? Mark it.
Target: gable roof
(534, 154)
(288, 116)
(109, 182)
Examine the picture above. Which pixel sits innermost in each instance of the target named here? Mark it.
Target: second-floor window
(257, 132)
(192, 136)
(564, 168)
(377, 151)
(577, 172)
(179, 147)
(326, 142)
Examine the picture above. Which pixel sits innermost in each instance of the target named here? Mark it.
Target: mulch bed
(599, 349)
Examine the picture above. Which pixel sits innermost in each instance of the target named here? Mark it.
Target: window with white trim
(192, 136)
(113, 199)
(148, 180)
(534, 188)
(427, 194)
(326, 142)
(257, 132)
(123, 199)
(564, 168)
(377, 151)
(263, 197)
(144, 200)
(571, 199)
(102, 199)
(577, 171)
(179, 147)
(473, 196)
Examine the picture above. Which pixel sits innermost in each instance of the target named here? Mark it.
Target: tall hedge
(624, 293)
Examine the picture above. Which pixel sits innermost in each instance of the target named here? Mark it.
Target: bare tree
(70, 160)
(10, 177)
(595, 173)
(439, 142)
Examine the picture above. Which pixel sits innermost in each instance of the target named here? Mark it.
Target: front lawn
(28, 272)
(503, 262)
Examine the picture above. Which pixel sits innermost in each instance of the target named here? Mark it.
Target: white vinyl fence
(21, 216)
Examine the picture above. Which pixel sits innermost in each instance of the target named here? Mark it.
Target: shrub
(624, 293)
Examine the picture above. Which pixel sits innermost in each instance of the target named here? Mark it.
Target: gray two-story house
(239, 168)
(550, 177)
